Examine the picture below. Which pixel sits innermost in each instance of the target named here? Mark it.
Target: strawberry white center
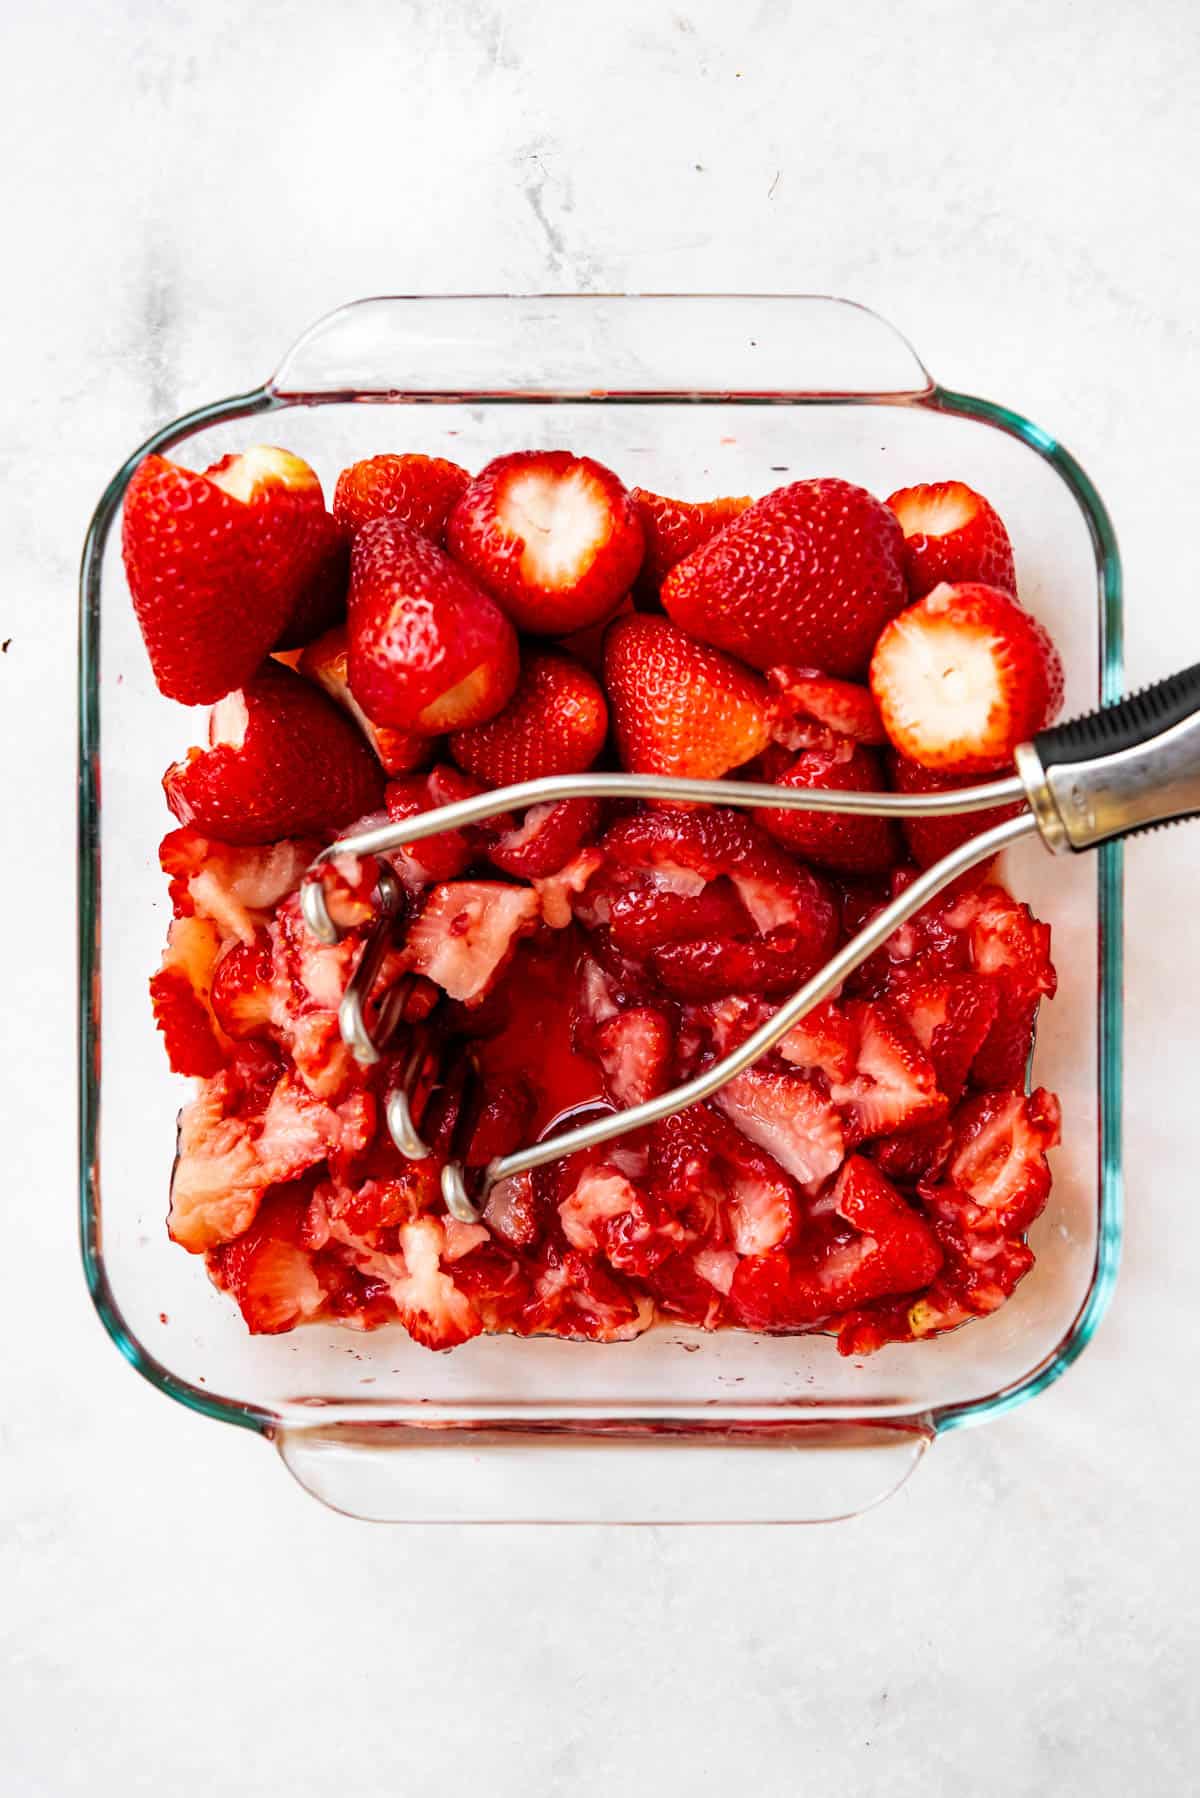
(936, 514)
(262, 466)
(227, 722)
(563, 521)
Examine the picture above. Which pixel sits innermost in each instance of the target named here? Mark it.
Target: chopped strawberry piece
(964, 676)
(237, 886)
(673, 528)
(181, 994)
(785, 1114)
(1010, 947)
(826, 1039)
(574, 1295)
(682, 1290)
(891, 1249)
(894, 1086)
(218, 1181)
(555, 537)
(913, 1155)
(419, 491)
(282, 761)
(326, 661)
(649, 914)
(466, 932)
(496, 1285)
(429, 650)
(634, 1050)
(951, 1018)
(546, 840)
(555, 723)
(679, 707)
(446, 853)
(834, 839)
(242, 988)
(266, 1270)
(979, 1273)
(997, 1177)
(810, 709)
(929, 839)
(809, 574)
(951, 533)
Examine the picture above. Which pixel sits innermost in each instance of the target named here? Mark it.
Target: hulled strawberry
(834, 839)
(448, 852)
(808, 575)
(430, 651)
(951, 533)
(556, 537)
(420, 491)
(964, 676)
(282, 761)
(679, 707)
(555, 723)
(327, 662)
(673, 528)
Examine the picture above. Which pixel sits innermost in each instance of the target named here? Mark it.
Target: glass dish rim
(1109, 875)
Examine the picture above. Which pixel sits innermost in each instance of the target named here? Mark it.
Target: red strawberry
(650, 914)
(834, 839)
(415, 490)
(786, 1115)
(950, 1016)
(893, 1250)
(208, 605)
(1011, 949)
(449, 852)
(964, 676)
(679, 707)
(809, 574)
(929, 839)
(429, 650)
(466, 933)
(635, 1051)
(555, 537)
(673, 528)
(894, 1086)
(241, 989)
(555, 723)
(282, 761)
(825, 1038)
(998, 1178)
(951, 533)
(326, 662)
(266, 1270)
(809, 708)
(181, 995)
(546, 838)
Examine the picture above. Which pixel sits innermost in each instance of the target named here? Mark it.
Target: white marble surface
(185, 187)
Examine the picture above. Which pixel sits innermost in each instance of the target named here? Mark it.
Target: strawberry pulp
(874, 1176)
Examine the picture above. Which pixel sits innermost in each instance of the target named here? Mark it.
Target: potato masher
(1126, 768)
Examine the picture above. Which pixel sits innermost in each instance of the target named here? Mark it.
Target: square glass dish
(699, 395)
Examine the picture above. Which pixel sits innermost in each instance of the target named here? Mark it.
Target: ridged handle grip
(1126, 768)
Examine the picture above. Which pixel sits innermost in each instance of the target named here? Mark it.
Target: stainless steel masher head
(1112, 773)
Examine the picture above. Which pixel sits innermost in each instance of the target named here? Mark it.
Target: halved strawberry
(808, 575)
(809, 708)
(997, 1178)
(892, 1250)
(673, 528)
(951, 533)
(449, 852)
(962, 677)
(282, 761)
(327, 663)
(241, 989)
(894, 1086)
(679, 707)
(465, 933)
(430, 651)
(556, 537)
(201, 574)
(833, 839)
(929, 839)
(181, 995)
(555, 723)
(416, 490)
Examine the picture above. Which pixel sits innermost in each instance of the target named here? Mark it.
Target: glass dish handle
(759, 1472)
(600, 346)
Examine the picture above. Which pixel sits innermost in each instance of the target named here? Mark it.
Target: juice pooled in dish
(435, 634)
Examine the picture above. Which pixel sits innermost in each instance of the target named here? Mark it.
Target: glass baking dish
(696, 395)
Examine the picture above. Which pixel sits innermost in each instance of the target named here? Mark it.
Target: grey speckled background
(184, 188)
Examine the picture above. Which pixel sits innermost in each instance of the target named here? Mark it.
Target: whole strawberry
(679, 707)
(282, 761)
(555, 723)
(951, 533)
(858, 844)
(430, 651)
(809, 576)
(327, 663)
(673, 528)
(301, 547)
(556, 537)
(420, 491)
